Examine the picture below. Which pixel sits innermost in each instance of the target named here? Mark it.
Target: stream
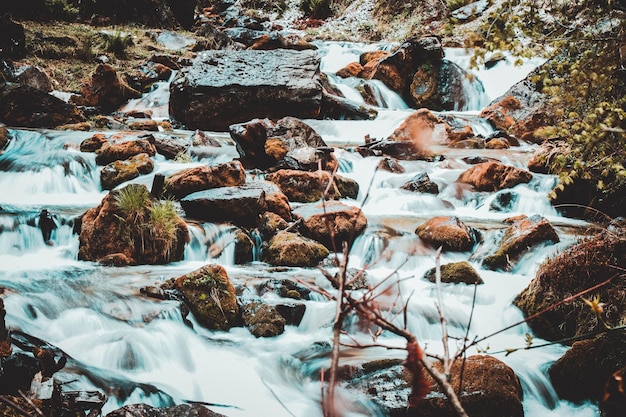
(136, 349)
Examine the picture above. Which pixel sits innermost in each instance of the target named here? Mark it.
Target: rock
(590, 262)
(456, 272)
(105, 90)
(520, 237)
(147, 74)
(118, 172)
(270, 223)
(340, 108)
(110, 152)
(353, 69)
(292, 312)
(285, 288)
(406, 151)
(449, 232)
(291, 249)
(145, 410)
(204, 177)
(309, 187)
(421, 183)
(13, 39)
(4, 136)
(33, 77)
(148, 125)
(287, 142)
(582, 372)
(494, 176)
(93, 143)
(211, 297)
(262, 319)
(213, 37)
(171, 146)
(490, 389)
(117, 227)
(25, 106)
(417, 129)
(277, 201)
(244, 245)
(459, 134)
(390, 164)
(503, 201)
(470, 11)
(225, 88)
(332, 223)
(497, 143)
(240, 205)
(275, 40)
(499, 113)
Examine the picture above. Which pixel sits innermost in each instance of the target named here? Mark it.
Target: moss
(456, 272)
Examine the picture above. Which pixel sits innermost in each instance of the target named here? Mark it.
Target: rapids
(136, 349)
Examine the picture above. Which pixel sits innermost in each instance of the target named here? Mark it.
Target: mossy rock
(211, 296)
(456, 272)
(292, 249)
(263, 320)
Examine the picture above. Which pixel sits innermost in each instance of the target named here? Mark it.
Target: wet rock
(147, 74)
(13, 39)
(336, 106)
(417, 129)
(143, 124)
(497, 143)
(459, 134)
(262, 319)
(244, 246)
(204, 177)
(25, 106)
(390, 164)
(118, 172)
(105, 90)
(494, 176)
(277, 201)
(456, 272)
(145, 410)
(210, 295)
(285, 288)
(213, 37)
(225, 88)
(262, 143)
(308, 187)
(270, 223)
(240, 205)
(292, 312)
(171, 146)
(93, 143)
(4, 136)
(490, 389)
(503, 201)
(200, 138)
(291, 249)
(332, 223)
(276, 40)
(582, 372)
(115, 228)
(406, 151)
(449, 232)
(590, 262)
(34, 77)
(353, 69)
(421, 183)
(521, 236)
(110, 152)
(499, 113)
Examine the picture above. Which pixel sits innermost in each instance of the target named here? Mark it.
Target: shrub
(132, 202)
(317, 9)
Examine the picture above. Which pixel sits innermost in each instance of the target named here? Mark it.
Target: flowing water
(136, 349)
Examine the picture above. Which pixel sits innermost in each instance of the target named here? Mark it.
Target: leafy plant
(117, 42)
(132, 202)
(162, 227)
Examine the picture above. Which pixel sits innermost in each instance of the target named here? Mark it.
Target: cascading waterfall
(136, 349)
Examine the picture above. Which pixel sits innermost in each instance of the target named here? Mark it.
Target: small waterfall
(211, 243)
(155, 102)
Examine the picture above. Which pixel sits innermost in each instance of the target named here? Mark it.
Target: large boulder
(33, 76)
(583, 371)
(225, 88)
(331, 223)
(25, 106)
(523, 234)
(182, 410)
(417, 129)
(309, 187)
(211, 297)
(286, 143)
(128, 227)
(588, 263)
(204, 177)
(494, 176)
(292, 249)
(110, 152)
(490, 389)
(241, 205)
(449, 232)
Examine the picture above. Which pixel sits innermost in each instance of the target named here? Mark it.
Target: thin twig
(442, 317)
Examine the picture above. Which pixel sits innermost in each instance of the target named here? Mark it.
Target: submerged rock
(225, 88)
(332, 223)
(421, 183)
(211, 297)
(590, 262)
(262, 319)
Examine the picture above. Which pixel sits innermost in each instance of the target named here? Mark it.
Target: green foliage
(132, 201)
(162, 227)
(317, 9)
(116, 42)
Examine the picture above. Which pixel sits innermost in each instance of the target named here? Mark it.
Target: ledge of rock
(223, 88)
